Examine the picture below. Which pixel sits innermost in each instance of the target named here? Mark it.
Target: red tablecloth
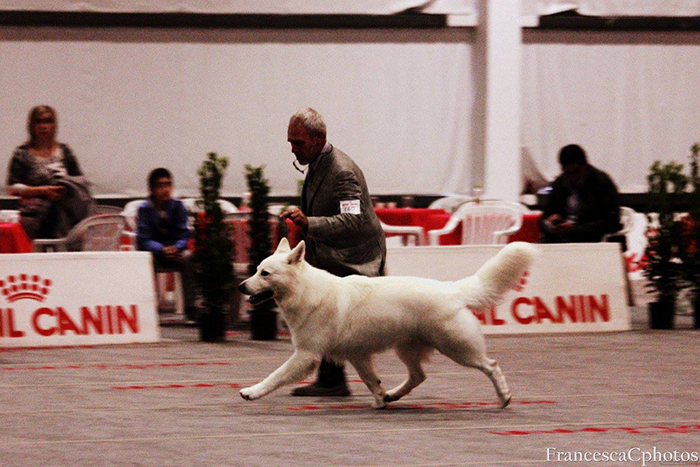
(409, 216)
(429, 219)
(438, 221)
(294, 233)
(406, 216)
(242, 240)
(530, 231)
(13, 239)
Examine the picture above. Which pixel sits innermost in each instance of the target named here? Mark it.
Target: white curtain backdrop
(397, 101)
(613, 7)
(372, 7)
(285, 7)
(628, 98)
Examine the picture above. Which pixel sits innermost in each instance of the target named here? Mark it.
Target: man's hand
(558, 225)
(171, 253)
(564, 228)
(554, 219)
(296, 216)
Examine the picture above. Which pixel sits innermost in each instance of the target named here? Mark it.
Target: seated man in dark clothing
(162, 230)
(583, 204)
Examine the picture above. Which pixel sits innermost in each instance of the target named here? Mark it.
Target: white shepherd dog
(354, 317)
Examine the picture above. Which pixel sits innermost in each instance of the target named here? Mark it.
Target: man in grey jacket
(342, 233)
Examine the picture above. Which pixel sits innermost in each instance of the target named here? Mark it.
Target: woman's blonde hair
(34, 115)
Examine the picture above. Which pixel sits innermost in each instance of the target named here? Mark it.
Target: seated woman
(54, 194)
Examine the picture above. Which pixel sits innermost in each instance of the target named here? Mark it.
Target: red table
(530, 231)
(406, 216)
(241, 237)
(409, 216)
(13, 239)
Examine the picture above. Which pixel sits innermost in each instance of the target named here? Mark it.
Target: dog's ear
(297, 253)
(283, 246)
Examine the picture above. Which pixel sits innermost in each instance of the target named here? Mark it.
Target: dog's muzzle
(261, 297)
(257, 298)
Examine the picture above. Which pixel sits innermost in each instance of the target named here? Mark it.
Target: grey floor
(176, 403)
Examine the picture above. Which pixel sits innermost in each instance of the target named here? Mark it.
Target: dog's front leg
(365, 368)
(300, 364)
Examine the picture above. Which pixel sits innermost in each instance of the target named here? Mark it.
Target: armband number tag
(351, 206)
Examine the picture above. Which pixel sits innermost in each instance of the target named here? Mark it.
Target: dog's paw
(389, 397)
(249, 394)
(505, 401)
(379, 403)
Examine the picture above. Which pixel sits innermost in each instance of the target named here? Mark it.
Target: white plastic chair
(484, 223)
(161, 275)
(106, 209)
(627, 220)
(450, 203)
(101, 232)
(627, 216)
(130, 212)
(226, 206)
(405, 231)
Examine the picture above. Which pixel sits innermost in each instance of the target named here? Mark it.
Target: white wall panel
(397, 101)
(628, 98)
(374, 7)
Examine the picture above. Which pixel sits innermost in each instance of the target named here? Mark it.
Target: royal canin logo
(79, 319)
(25, 286)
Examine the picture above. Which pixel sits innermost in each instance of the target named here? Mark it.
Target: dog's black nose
(242, 289)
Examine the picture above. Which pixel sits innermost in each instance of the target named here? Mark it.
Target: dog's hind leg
(488, 366)
(465, 345)
(412, 359)
(493, 371)
(368, 374)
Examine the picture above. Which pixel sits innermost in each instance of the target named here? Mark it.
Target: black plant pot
(212, 325)
(263, 325)
(661, 314)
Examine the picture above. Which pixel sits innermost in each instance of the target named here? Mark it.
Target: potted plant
(263, 315)
(213, 252)
(690, 243)
(663, 258)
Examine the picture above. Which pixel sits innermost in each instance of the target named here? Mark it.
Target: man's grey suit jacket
(342, 243)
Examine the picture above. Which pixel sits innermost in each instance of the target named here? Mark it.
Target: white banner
(59, 299)
(570, 288)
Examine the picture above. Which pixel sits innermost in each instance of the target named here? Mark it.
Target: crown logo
(25, 286)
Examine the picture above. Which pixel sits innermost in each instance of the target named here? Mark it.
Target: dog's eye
(264, 273)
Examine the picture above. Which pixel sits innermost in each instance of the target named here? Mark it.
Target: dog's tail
(501, 273)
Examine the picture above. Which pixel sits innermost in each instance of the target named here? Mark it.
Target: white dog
(352, 318)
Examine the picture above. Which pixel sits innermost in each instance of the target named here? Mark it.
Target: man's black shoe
(317, 390)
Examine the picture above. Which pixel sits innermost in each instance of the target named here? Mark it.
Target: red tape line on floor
(435, 405)
(125, 366)
(64, 347)
(630, 430)
(177, 386)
